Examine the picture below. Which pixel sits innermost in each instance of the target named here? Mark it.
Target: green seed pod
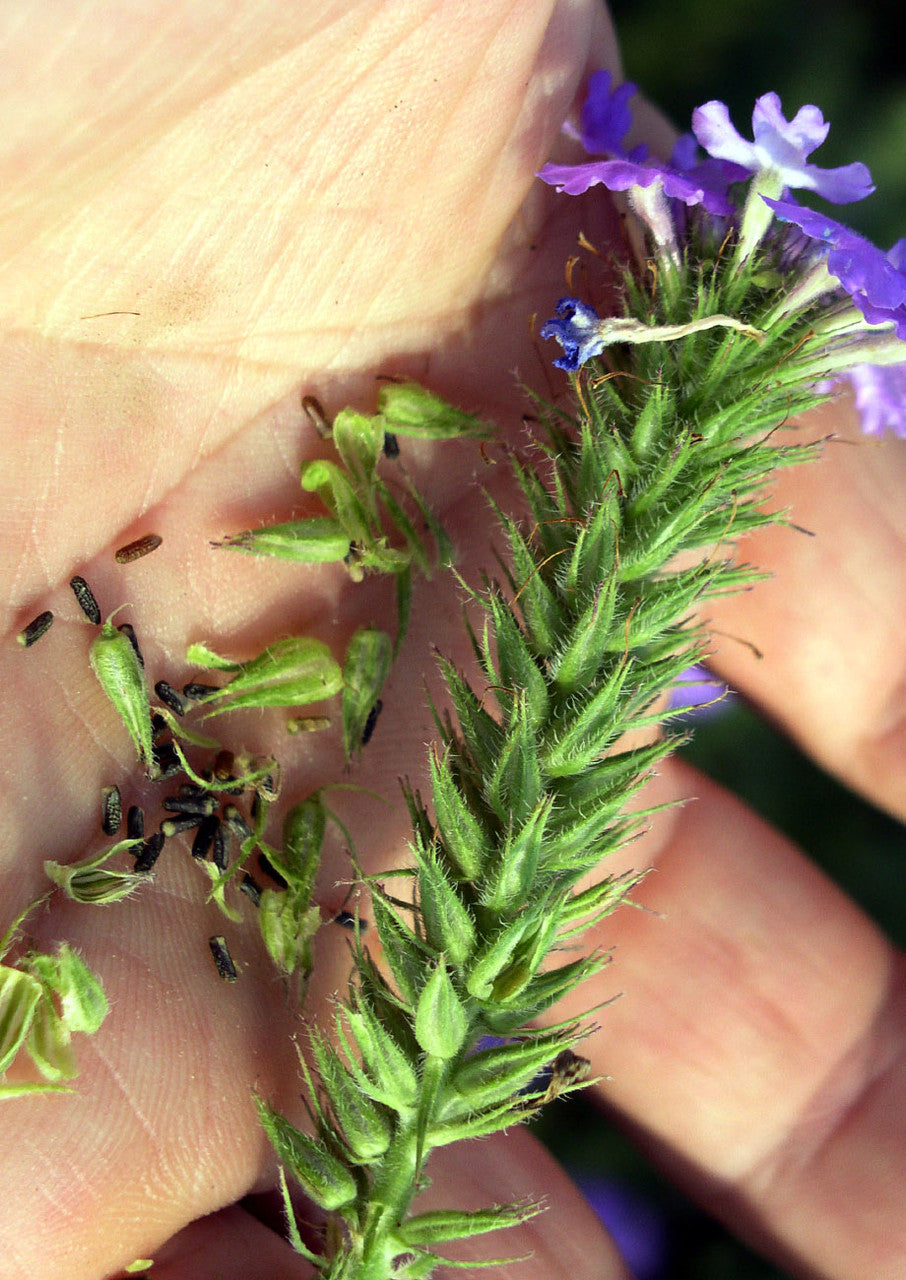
(121, 676)
(19, 996)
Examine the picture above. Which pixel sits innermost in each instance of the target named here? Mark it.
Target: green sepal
(323, 1178)
(466, 843)
(122, 677)
(454, 1224)
(287, 930)
(576, 662)
(369, 655)
(491, 1076)
(49, 1044)
(446, 920)
(392, 1076)
(89, 881)
(20, 994)
(410, 410)
(318, 540)
(441, 1021)
(359, 441)
(291, 672)
(508, 883)
(304, 829)
(365, 1126)
(83, 1004)
(517, 670)
(405, 953)
(340, 498)
(513, 784)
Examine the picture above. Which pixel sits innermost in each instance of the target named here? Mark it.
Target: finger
(230, 1245)
(758, 1047)
(828, 625)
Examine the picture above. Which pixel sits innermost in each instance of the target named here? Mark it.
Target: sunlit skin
(207, 211)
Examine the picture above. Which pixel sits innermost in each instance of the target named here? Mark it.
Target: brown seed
(222, 958)
(140, 547)
(112, 810)
(135, 823)
(36, 629)
(85, 596)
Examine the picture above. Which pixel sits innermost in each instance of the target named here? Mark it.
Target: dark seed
(85, 597)
(346, 920)
(371, 722)
(314, 411)
(158, 725)
(204, 838)
(135, 823)
(150, 852)
(251, 888)
(111, 810)
(129, 632)
(195, 691)
(140, 547)
(198, 806)
(220, 848)
(235, 821)
(391, 445)
(269, 869)
(36, 629)
(166, 760)
(222, 958)
(171, 827)
(170, 698)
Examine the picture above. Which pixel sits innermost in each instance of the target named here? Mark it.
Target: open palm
(208, 209)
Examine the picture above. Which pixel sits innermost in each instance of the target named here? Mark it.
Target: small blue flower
(781, 145)
(578, 330)
(874, 280)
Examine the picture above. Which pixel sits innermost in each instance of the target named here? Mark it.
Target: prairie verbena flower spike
(662, 463)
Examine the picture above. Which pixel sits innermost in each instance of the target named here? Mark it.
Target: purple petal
(880, 394)
(578, 330)
(868, 275)
(606, 116)
(620, 175)
(712, 126)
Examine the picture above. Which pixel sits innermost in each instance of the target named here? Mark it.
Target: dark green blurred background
(844, 57)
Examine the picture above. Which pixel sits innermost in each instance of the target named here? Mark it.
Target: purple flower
(874, 280)
(606, 117)
(880, 394)
(578, 330)
(782, 145)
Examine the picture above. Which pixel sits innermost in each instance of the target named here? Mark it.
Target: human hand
(305, 202)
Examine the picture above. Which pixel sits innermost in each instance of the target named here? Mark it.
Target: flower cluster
(853, 292)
